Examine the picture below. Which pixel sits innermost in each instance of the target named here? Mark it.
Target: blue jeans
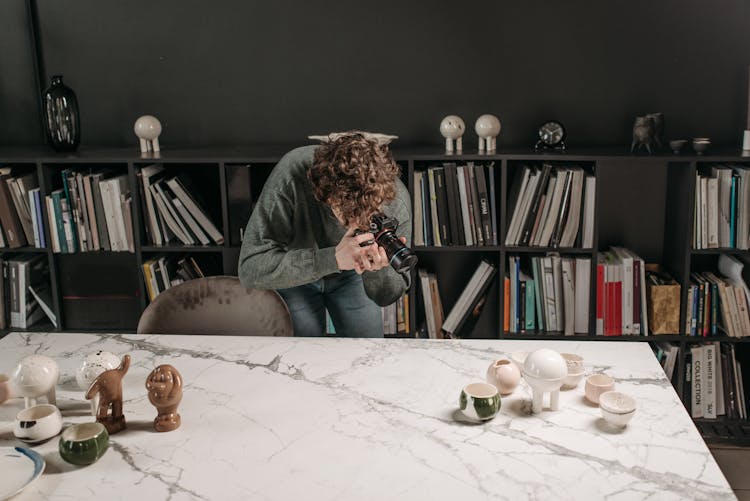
(343, 295)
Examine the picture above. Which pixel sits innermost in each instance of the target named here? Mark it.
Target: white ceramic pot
(36, 376)
(545, 370)
(597, 384)
(37, 424)
(575, 370)
(504, 375)
(617, 408)
(479, 401)
(93, 365)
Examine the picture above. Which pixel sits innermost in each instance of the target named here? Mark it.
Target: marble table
(322, 418)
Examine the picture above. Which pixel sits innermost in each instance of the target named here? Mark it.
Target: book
(43, 297)
(493, 207)
(582, 294)
(418, 239)
(177, 186)
(454, 205)
(11, 224)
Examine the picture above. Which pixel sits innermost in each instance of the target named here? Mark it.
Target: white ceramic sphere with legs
(487, 128)
(545, 371)
(35, 376)
(93, 365)
(452, 128)
(147, 127)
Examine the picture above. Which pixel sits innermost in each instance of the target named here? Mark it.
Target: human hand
(349, 253)
(376, 258)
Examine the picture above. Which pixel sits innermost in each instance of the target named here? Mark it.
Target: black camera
(384, 229)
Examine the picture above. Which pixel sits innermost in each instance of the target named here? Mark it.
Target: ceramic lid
(545, 364)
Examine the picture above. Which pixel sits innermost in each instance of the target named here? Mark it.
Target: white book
(147, 174)
(196, 211)
(517, 209)
(109, 214)
(464, 202)
(418, 232)
(549, 294)
(696, 400)
(627, 289)
(192, 224)
(118, 190)
(568, 295)
(697, 216)
(558, 289)
(52, 224)
(537, 234)
(169, 217)
(741, 392)
(437, 241)
(709, 382)
(743, 207)
(44, 300)
(534, 181)
(704, 213)
(724, 179)
(67, 223)
(427, 298)
(513, 292)
(570, 231)
(582, 294)
(589, 205)
(34, 222)
(554, 209)
(712, 188)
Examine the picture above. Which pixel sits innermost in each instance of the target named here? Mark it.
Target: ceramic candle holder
(83, 443)
(479, 401)
(504, 375)
(545, 370)
(596, 385)
(93, 365)
(617, 408)
(6, 390)
(575, 370)
(35, 376)
(37, 424)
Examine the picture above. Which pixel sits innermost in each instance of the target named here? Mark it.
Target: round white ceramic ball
(35, 375)
(147, 127)
(93, 365)
(545, 365)
(487, 126)
(452, 127)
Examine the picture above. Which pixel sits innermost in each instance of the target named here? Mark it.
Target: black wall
(232, 72)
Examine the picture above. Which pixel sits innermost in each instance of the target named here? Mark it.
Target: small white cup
(37, 424)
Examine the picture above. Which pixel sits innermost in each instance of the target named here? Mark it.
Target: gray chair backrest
(216, 305)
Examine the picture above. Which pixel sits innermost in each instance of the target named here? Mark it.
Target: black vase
(62, 121)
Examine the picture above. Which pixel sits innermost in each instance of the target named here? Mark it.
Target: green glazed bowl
(84, 443)
(479, 401)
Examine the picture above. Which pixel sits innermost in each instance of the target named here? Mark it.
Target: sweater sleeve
(265, 260)
(387, 285)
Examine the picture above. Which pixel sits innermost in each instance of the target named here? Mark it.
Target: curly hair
(354, 176)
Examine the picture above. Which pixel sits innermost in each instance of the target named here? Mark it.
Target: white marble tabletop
(320, 418)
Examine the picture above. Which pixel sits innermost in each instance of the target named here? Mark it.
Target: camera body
(383, 228)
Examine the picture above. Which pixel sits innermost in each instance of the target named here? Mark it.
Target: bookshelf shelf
(642, 202)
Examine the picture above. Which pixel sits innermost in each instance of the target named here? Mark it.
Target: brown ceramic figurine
(164, 386)
(109, 387)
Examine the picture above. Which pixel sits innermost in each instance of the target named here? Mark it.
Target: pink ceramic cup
(6, 391)
(597, 384)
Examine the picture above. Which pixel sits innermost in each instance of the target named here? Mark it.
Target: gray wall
(232, 72)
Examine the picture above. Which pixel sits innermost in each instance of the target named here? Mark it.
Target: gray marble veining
(321, 418)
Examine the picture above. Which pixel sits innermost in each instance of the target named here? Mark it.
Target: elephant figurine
(108, 385)
(36, 376)
(164, 386)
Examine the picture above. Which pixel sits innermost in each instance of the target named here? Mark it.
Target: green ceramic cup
(84, 443)
(479, 401)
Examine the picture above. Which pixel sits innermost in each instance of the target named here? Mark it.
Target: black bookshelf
(642, 202)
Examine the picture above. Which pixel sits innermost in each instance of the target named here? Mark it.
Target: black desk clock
(551, 136)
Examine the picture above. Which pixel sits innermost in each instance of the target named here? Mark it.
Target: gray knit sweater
(291, 238)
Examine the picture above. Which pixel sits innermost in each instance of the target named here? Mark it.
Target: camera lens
(401, 257)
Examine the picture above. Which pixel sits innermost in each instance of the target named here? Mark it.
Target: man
(301, 241)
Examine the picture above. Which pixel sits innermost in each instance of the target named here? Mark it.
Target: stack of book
(91, 212)
(667, 355)
(25, 292)
(722, 208)
(433, 305)
(554, 297)
(552, 207)
(162, 272)
(455, 205)
(714, 376)
(172, 212)
(718, 303)
(620, 293)
(20, 210)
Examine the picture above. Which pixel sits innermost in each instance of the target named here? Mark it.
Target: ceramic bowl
(6, 389)
(701, 144)
(676, 145)
(83, 443)
(479, 401)
(597, 384)
(504, 375)
(575, 370)
(617, 408)
(37, 424)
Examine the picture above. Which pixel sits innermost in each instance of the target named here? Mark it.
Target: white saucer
(20, 467)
